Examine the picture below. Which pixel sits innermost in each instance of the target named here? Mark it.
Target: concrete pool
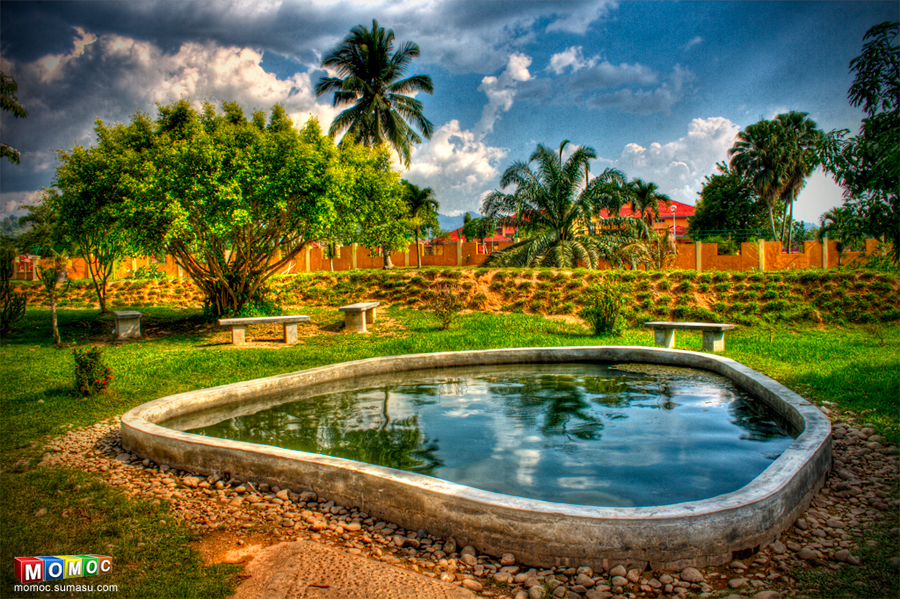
(543, 533)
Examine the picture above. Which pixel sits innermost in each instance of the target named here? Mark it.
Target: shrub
(92, 375)
(664, 285)
(664, 300)
(446, 302)
(722, 287)
(603, 310)
(703, 287)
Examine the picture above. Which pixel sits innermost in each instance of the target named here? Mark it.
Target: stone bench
(128, 324)
(356, 316)
(238, 325)
(713, 333)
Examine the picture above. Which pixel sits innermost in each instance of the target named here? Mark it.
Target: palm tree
(756, 156)
(844, 225)
(644, 198)
(422, 209)
(369, 81)
(799, 143)
(553, 201)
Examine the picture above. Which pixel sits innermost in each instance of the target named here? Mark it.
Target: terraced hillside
(743, 297)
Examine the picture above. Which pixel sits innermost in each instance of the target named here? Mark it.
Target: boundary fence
(761, 255)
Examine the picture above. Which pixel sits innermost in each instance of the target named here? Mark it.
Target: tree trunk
(772, 221)
(56, 339)
(791, 224)
(418, 253)
(388, 265)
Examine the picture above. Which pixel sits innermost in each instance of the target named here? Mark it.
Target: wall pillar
(698, 259)
(825, 251)
(308, 266)
(353, 256)
(762, 254)
(406, 257)
(459, 252)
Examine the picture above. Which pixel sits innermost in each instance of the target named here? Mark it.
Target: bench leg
(370, 315)
(714, 341)
(355, 321)
(290, 332)
(664, 338)
(237, 334)
(128, 328)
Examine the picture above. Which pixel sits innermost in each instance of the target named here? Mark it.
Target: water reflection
(573, 433)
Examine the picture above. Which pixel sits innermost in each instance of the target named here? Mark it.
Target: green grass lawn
(850, 369)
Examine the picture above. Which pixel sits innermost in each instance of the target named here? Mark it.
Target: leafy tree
(422, 212)
(867, 166)
(10, 103)
(378, 199)
(369, 81)
(645, 198)
(481, 228)
(53, 276)
(90, 188)
(727, 206)
(11, 227)
(12, 304)
(235, 200)
(554, 202)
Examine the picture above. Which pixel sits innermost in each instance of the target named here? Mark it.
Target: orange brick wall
(445, 254)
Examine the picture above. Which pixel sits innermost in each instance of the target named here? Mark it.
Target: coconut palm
(554, 201)
(369, 81)
(644, 197)
(757, 156)
(422, 209)
(799, 141)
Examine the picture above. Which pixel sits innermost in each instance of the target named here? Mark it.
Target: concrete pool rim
(698, 533)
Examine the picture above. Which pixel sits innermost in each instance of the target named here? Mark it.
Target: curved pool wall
(540, 533)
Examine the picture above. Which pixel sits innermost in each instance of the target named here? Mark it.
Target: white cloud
(642, 101)
(501, 91)
(820, 195)
(696, 41)
(458, 166)
(679, 167)
(581, 17)
(14, 202)
(570, 57)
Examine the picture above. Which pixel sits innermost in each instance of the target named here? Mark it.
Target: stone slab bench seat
(356, 316)
(713, 333)
(128, 324)
(238, 326)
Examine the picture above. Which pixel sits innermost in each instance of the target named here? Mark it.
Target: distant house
(666, 216)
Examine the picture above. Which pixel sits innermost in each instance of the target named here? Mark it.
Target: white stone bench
(128, 324)
(238, 325)
(713, 333)
(356, 316)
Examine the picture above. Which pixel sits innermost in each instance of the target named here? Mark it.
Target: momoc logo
(60, 567)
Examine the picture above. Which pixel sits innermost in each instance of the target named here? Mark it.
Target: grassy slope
(852, 368)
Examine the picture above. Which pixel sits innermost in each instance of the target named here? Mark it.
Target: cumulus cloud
(501, 91)
(679, 167)
(14, 202)
(644, 101)
(124, 75)
(458, 166)
(570, 57)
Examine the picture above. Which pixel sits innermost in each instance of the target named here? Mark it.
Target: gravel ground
(856, 495)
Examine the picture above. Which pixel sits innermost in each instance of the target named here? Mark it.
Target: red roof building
(666, 216)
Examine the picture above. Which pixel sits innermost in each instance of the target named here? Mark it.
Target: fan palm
(552, 200)
(369, 81)
(422, 209)
(757, 156)
(799, 144)
(644, 198)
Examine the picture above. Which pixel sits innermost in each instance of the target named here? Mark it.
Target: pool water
(588, 434)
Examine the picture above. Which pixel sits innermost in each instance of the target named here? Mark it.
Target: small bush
(446, 302)
(664, 285)
(603, 310)
(703, 287)
(722, 287)
(92, 375)
(664, 300)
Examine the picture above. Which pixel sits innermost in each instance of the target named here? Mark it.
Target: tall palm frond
(369, 82)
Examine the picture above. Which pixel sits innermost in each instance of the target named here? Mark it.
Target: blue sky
(658, 89)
